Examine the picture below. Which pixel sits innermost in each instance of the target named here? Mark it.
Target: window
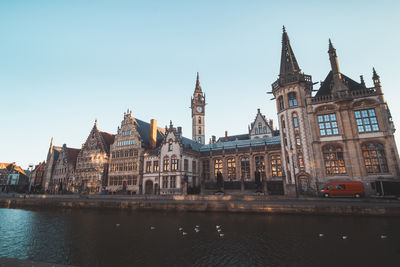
(165, 182)
(172, 181)
(256, 131)
(281, 103)
(130, 152)
(194, 166)
(199, 119)
(334, 161)
(231, 168)
(185, 165)
(174, 164)
(300, 161)
(260, 128)
(260, 165)
(366, 121)
(206, 169)
(199, 130)
(155, 166)
(292, 100)
(148, 166)
(166, 164)
(265, 129)
(245, 167)
(298, 141)
(374, 158)
(170, 145)
(217, 166)
(328, 124)
(199, 139)
(295, 122)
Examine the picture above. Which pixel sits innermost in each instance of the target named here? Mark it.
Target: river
(132, 238)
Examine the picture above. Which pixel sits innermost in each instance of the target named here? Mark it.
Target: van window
(340, 186)
(330, 186)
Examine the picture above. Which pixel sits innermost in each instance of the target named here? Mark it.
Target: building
(91, 172)
(37, 177)
(13, 178)
(344, 131)
(135, 139)
(62, 177)
(52, 156)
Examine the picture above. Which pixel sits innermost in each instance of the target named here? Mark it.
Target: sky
(64, 64)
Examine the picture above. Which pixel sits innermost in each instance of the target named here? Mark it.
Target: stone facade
(92, 163)
(343, 132)
(38, 176)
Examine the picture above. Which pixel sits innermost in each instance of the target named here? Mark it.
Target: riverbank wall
(211, 203)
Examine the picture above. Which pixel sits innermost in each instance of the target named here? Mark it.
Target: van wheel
(326, 195)
(357, 195)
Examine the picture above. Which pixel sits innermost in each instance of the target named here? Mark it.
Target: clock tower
(198, 103)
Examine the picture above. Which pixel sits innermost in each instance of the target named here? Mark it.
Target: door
(148, 189)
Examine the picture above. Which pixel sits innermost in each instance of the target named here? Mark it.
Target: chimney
(226, 133)
(153, 134)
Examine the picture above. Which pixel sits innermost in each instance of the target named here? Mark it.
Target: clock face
(199, 109)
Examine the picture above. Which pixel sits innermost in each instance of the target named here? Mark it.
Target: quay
(210, 203)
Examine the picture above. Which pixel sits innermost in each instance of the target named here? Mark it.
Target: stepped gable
(327, 84)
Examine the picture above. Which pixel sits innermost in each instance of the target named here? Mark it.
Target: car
(343, 188)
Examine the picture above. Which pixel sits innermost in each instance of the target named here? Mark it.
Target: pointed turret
(289, 65)
(333, 59)
(198, 87)
(376, 79)
(290, 71)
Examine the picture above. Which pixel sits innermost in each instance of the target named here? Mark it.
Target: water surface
(92, 238)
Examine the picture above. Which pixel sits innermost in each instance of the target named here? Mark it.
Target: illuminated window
(166, 164)
(217, 166)
(334, 161)
(155, 166)
(276, 166)
(374, 158)
(174, 164)
(231, 168)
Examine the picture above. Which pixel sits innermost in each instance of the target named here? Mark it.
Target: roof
(190, 143)
(273, 140)
(10, 166)
(144, 130)
(73, 154)
(107, 139)
(327, 85)
(234, 137)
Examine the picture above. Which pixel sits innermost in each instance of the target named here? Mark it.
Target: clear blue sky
(65, 63)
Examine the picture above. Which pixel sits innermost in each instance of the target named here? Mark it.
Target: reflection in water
(92, 238)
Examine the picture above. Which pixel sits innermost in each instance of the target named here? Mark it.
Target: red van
(343, 188)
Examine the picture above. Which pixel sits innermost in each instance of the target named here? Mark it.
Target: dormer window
(170, 146)
(265, 129)
(260, 128)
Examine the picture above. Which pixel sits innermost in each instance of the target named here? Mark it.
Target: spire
(333, 59)
(288, 60)
(198, 87)
(376, 78)
(95, 123)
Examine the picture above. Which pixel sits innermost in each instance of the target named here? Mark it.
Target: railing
(345, 95)
(291, 79)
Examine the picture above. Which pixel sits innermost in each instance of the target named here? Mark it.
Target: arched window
(231, 168)
(217, 166)
(245, 167)
(334, 161)
(283, 123)
(295, 121)
(260, 164)
(265, 129)
(260, 128)
(281, 103)
(256, 131)
(276, 166)
(300, 161)
(166, 164)
(174, 163)
(199, 130)
(374, 158)
(292, 99)
(199, 119)
(199, 139)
